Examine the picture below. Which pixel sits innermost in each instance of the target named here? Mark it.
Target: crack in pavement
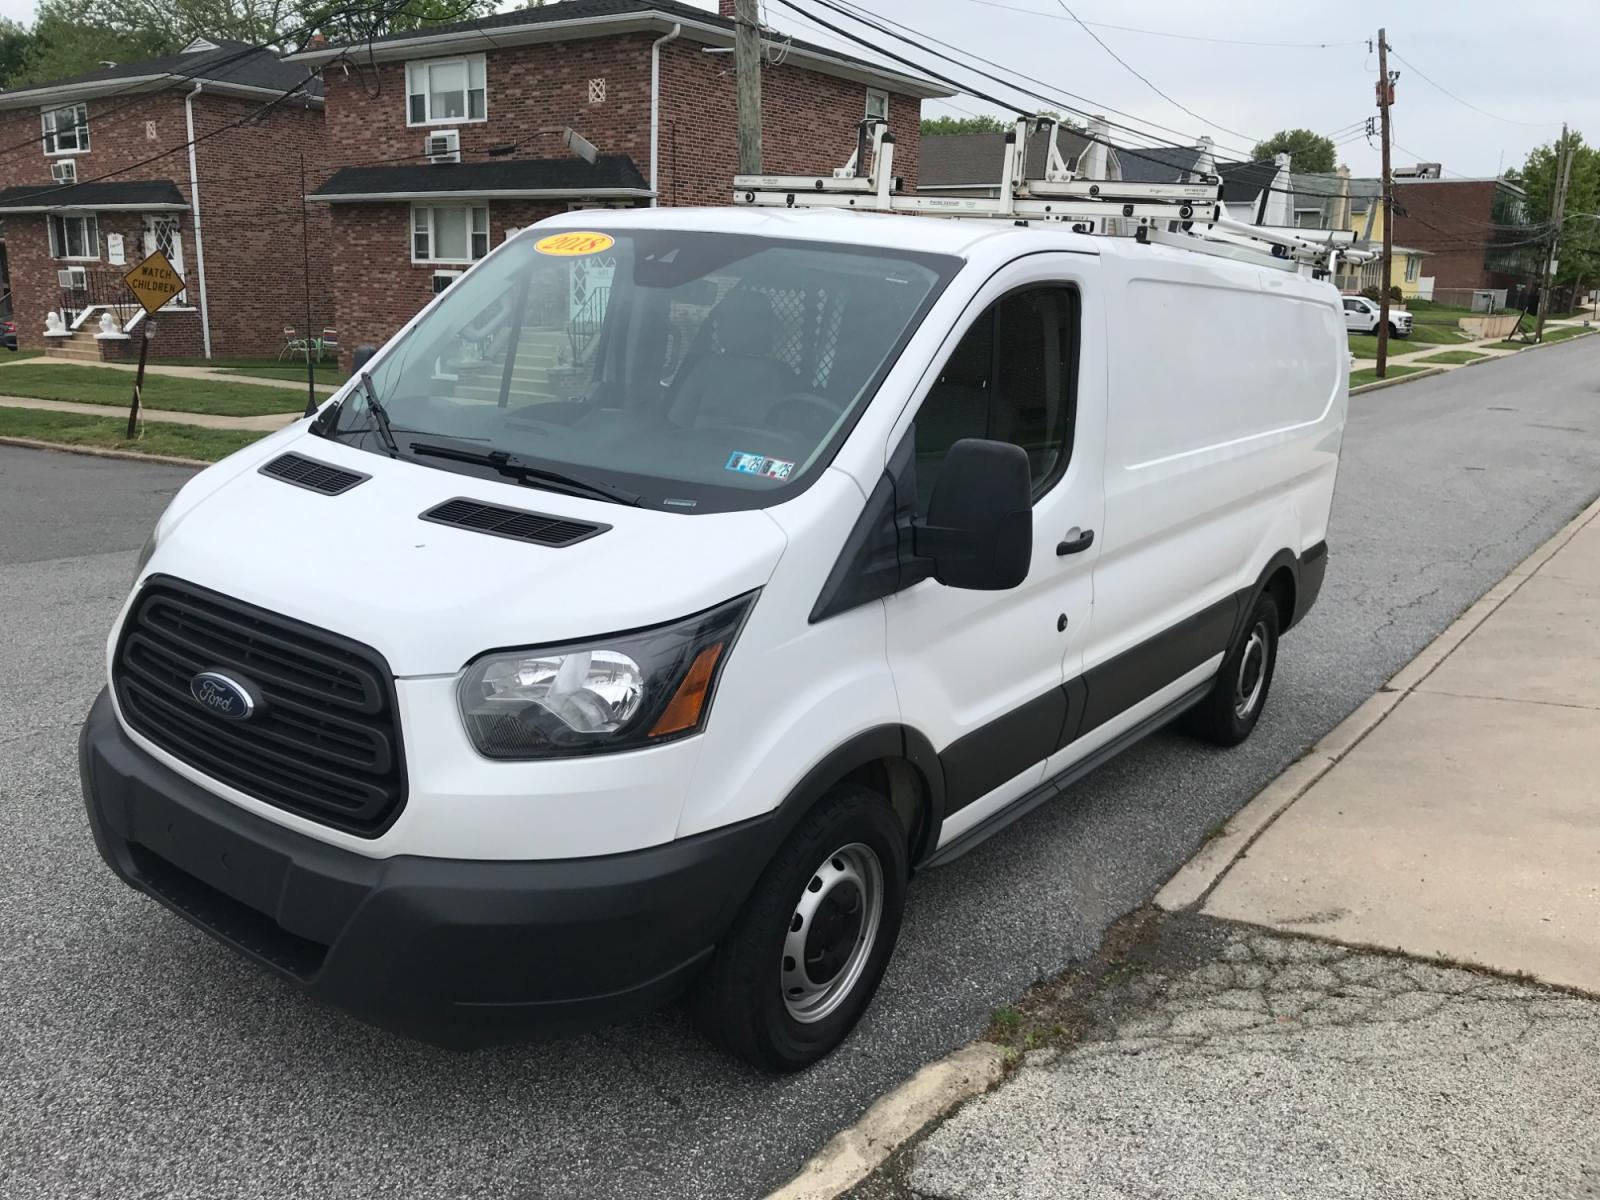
(1221, 1060)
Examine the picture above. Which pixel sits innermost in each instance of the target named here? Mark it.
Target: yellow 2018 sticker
(574, 243)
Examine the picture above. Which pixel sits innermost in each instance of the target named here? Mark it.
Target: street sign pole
(149, 332)
(154, 285)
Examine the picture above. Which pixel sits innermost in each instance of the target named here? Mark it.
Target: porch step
(81, 346)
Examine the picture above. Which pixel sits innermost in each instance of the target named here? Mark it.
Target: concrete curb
(101, 452)
(893, 1120)
(1441, 369)
(1197, 878)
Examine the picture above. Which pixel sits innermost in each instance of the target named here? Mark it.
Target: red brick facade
(1452, 219)
(249, 211)
(809, 124)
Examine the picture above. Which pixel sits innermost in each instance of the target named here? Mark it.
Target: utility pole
(1385, 98)
(747, 70)
(1558, 212)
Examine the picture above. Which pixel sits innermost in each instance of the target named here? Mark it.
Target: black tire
(1395, 333)
(1234, 705)
(740, 1001)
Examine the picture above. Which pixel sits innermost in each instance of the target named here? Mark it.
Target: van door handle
(1076, 545)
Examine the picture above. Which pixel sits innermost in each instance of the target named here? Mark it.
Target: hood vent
(539, 528)
(312, 475)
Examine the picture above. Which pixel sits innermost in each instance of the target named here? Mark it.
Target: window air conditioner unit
(74, 278)
(443, 147)
(64, 170)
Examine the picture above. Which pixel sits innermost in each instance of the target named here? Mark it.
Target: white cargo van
(680, 582)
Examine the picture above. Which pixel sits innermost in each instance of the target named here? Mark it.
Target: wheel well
(902, 785)
(1280, 586)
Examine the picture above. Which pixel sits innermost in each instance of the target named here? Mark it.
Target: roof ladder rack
(1188, 216)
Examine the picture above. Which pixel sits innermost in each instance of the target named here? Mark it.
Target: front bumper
(459, 953)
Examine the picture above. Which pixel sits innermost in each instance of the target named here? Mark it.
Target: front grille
(325, 740)
(515, 523)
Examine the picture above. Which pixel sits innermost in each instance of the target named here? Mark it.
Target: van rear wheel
(805, 955)
(1233, 706)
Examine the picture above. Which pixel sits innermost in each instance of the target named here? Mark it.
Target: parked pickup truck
(1362, 315)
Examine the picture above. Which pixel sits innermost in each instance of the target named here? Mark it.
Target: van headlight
(609, 693)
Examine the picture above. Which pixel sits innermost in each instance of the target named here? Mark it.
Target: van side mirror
(979, 531)
(360, 358)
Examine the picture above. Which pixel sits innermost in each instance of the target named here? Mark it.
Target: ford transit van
(679, 583)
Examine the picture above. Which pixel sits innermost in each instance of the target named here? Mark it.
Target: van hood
(431, 597)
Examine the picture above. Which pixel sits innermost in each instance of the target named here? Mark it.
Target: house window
(66, 130)
(74, 236)
(1413, 268)
(446, 89)
(1308, 218)
(457, 233)
(878, 104)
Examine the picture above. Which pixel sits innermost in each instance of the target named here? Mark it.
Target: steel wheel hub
(1252, 672)
(832, 932)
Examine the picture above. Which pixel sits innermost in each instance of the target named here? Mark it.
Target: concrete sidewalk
(178, 372)
(1466, 824)
(261, 424)
(1274, 1033)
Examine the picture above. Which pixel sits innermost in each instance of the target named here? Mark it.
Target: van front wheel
(1233, 706)
(805, 955)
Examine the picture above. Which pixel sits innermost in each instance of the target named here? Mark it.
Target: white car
(557, 668)
(1362, 316)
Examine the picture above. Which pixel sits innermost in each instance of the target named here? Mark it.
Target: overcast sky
(1527, 67)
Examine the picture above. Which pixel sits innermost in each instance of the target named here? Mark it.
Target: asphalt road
(138, 1058)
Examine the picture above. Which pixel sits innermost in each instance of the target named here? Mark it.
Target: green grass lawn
(1370, 374)
(292, 369)
(1451, 358)
(1365, 345)
(159, 437)
(12, 356)
(97, 385)
(1550, 335)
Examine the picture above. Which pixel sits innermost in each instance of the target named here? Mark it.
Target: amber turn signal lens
(683, 712)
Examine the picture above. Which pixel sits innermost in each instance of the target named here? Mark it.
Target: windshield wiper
(380, 416)
(514, 466)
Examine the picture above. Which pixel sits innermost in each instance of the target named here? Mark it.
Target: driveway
(142, 1058)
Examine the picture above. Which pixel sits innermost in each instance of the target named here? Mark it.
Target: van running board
(1056, 784)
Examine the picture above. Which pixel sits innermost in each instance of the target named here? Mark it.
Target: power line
(1467, 103)
(877, 21)
(1145, 79)
(1184, 37)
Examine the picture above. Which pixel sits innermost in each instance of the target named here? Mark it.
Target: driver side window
(1011, 378)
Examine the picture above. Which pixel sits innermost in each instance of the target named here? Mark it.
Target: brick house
(451, 137)
(97, 170)
(1476, 233)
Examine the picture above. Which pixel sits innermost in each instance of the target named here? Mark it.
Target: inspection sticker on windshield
(758, 464)
(578, 242)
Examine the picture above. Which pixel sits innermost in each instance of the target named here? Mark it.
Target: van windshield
(696, 371)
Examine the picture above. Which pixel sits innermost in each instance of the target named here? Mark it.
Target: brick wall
(808, 119)
(251, 222)
(377, 286)
(250, 212)
(809, 124)
(1450, 219)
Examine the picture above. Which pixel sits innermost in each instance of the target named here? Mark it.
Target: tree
(933, 125)
(70, 37)
(1579, 250)
(14, 42)
(1311, 152)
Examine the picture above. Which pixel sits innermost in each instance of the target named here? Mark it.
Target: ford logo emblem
(223, 695)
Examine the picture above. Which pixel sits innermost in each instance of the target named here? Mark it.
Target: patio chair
(293, 344)
(328, 343)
